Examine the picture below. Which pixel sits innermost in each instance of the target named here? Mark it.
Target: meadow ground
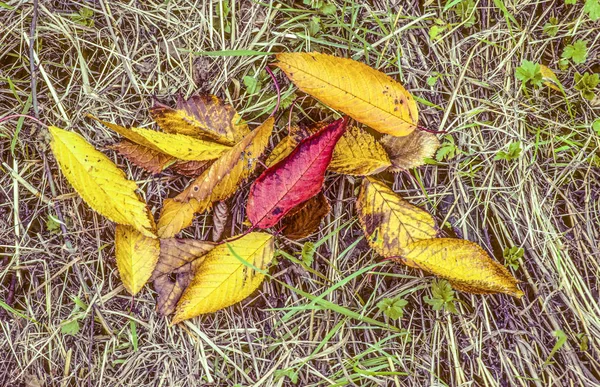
(66, 320)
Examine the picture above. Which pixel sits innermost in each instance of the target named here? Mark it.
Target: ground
(65, 318)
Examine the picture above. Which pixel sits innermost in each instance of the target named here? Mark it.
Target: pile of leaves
(206, 139)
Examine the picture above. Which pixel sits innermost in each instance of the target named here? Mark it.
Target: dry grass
(547, 201)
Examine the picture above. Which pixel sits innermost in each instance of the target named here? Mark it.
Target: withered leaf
(295, 179)
(220, 215)
(190, 168)
(410, 151)
(306, 219)
(179, 259)
(204, 116)
(149, 159)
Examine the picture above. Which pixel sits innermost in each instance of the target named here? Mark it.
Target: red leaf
(295, 179)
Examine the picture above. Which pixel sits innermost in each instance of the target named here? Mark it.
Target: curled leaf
(179, 260)
(305, 220)
(228, 274)
(136, 257)
(390, 222)
(204, 116)
(295, 179)
(220, 215)
(99, 182)
(365, 94)
(463, 263)
(410, 151)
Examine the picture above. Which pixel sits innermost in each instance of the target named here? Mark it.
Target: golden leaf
(365, 94)
(217, 183)
(550, 79)
(149, 159)
(390, 222)
(136, 257)
(179, 259)
(410, 151)
(177, 145)
(463, 263)
(99, 182)
(357, 153)
(204, 116)
(281, 151)
(306, 218)
(229, 273)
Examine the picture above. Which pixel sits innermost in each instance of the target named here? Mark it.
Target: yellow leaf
(463, 263)
(550, 79)
(177, 145)
(357, 153)
(217, 183)
(203, 116)
(365, 94)
(136, 257)
(281, 151)
(390, 222)
(99, 182)
(229, 273)
(179, 260)
(410, 151)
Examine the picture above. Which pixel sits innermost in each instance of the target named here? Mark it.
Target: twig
(276, 88)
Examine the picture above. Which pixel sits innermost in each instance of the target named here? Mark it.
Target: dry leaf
(149, 159)
(179, 260)
(390, 222)
(136, 257)
(229, 273)
(203, 116)
(99, 182)
(176, 145)
(306, 219)
(410, 151)
(220, 215)
(217, 183)
(365, 94)
(190, 168)
(550, 79)
(358, 153)
(463, 263)
(295, 179)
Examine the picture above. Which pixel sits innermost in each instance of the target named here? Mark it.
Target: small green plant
(447, 149)
(465, 10)
(512, 256)
(577, 52)
(561, 339)
(223, 10)
(551, 28)
(529, 72)
(308, 253)
(324, 7)
(586, 84)
(592, 8)
(442, 296)
(596, 126)
(84, 17)
(514, 151)
(289, 373)
(570, 2)
(392, 307)
(71, 326)
(584, 341)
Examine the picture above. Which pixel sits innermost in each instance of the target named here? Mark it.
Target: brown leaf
(144, 157)
(190, 168)
(220, 215)
(410, 151)
(306, 219)
(202, 116)
(179, 259)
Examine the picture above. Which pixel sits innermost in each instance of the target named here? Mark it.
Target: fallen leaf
(217, 183)
(358, 153)
(306, 219)
(463, 263)
(190, 168)
(176, 145)
(410, 151)
(220, 215)
(550, 79)
(390, 222)
(179, 260)
(136, 256)
(99, 182)
(149, 159)
(229, 273)
(295, 179)
(204, 116)
(365, 94)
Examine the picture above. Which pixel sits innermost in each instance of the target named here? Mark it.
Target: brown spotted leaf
(179, 259)
(190, 168)
(204, 116)
(305, 220)
(220, 215)
(390, 222)
(463, 263)
(144, 157)
(410, 151)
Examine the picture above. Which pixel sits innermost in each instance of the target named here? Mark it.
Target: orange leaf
(144, 157)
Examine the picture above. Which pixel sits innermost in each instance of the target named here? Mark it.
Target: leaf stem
(12, 116)
(276, 88)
